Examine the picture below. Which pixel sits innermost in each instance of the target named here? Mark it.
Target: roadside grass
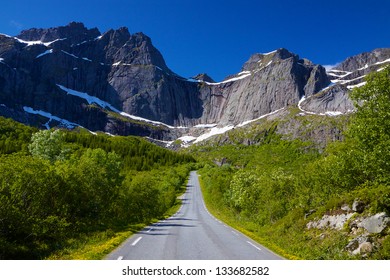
(98, 245)
(287, 237)
(247, 228)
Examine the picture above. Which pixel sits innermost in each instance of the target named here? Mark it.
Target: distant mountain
(119, 83)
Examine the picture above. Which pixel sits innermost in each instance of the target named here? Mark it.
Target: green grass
(246, 228)
(288, 237)
(94, 246)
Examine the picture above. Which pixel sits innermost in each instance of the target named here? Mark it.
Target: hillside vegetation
(57, 187)
(274, 187)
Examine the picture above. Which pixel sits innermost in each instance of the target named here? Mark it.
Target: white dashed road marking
(254, 245)
(136, 241)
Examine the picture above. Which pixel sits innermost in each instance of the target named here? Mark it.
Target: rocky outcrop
(345, 77)
(330, 221)
(364, 60)
(363, 229)
(361, 245)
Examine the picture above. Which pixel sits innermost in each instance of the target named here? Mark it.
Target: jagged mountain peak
(356, 62)
(203, 77)
(258, 60)
(75, 32)
(139, 50)
(122, 34)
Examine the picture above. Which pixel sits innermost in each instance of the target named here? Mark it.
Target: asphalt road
(191, 234)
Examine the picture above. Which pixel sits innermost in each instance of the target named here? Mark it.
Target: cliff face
(268, 82)
(119, 83)
(346, 76)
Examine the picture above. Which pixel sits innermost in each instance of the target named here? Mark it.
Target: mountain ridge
(127, 72)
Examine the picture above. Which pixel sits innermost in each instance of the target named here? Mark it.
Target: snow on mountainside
(345, 77)
(119, 83)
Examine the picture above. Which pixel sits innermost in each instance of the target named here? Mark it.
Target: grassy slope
(287, 235)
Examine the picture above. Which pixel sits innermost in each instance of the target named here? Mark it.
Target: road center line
(136, 241)
(254, 245)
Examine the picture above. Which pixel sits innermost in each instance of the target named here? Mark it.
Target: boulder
(360, 245)
(376, 223)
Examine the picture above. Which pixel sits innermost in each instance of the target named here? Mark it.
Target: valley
(98, 137)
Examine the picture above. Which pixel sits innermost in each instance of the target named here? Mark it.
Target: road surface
(191, 234)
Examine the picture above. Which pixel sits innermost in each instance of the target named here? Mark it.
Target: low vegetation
(60, 188)
(273, 188)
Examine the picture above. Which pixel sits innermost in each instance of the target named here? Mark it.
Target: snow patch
(381, 62)
(30, 43)
(242, 76)
(259, 118)
(205, 125)
(364, 67)
(147, 120)
(45, 53)
(357, 85)
(90, 99)
(51, 117)
(214, 131)
(333, 113)
(120, 63)
(187, 138)
(105, 105)
(217, 130)
(72, 55)
(243, 73)
(239, 76)
(327, 113)
(268, 53)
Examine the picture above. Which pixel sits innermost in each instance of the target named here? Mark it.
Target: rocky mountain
(344, 77)
(119, 83)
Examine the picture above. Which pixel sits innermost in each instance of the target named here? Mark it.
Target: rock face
(364, 60)
(346, 76)
(113, 81)
(127, 72)
(267, 82)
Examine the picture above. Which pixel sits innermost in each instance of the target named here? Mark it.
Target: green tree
(370, 127)
(47, 144)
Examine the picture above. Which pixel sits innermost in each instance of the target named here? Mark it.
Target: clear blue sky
(218, 36)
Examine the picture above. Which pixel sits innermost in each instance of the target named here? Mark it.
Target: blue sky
(218, 36)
